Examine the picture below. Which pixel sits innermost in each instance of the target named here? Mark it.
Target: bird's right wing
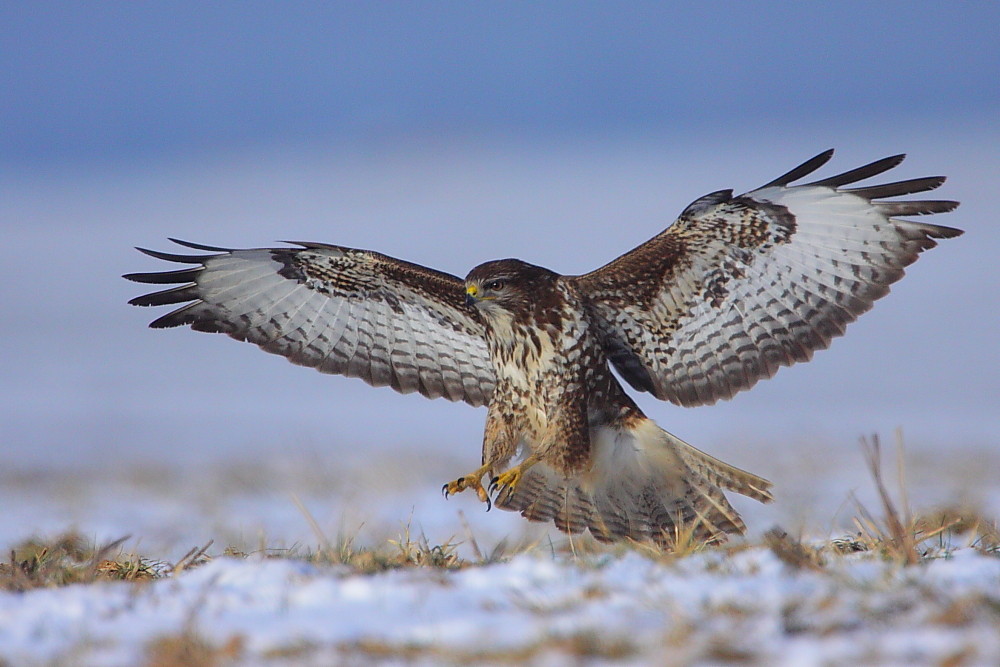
(340, 310)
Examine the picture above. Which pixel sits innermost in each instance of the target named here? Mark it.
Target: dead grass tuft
(685, 539)
(71, 559)
(419, 553)
(792, 552)
(897, 536)
(193, 558)
(406, 551)
(979, 531)
(130, 569)
(905, 538)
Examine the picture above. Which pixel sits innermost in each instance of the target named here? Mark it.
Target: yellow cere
(472, 291)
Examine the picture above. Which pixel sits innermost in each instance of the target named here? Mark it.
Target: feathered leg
(499, 445)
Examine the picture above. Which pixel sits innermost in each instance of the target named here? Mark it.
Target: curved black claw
(444, 490)
(489, 504)
(493, 487)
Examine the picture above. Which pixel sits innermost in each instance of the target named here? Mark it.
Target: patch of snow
(748, 604)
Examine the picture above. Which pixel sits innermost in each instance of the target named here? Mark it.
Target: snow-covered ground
(707, 608)
(540, 604)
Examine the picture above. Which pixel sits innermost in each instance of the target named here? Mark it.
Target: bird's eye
(495, 285)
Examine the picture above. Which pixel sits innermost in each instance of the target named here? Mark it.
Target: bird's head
(507, 285)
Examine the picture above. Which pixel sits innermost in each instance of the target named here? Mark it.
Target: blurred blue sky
(119, 81)
(452, 133)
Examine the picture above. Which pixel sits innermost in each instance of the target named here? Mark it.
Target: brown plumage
(736, 288)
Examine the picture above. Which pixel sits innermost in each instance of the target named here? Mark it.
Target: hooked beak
(471, 294)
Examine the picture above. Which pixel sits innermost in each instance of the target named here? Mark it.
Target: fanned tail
(644, 484)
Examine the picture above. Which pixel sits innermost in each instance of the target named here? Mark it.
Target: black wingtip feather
(167, 322)
(175, 318)
(165, 297)
(199, 246)
(312, 245)
(170, 257)
(165, 277)
(894, 209)
(942, 232)
(801, 171)
(899, 188)
(861, 173)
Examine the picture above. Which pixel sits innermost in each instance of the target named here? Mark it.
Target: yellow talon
(471, 481)
(506, 482)
(507, 479)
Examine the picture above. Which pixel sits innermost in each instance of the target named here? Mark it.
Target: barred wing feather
(351, 312)
(740, 286)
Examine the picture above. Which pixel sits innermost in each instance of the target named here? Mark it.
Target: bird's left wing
(740, 286)
(340, 310)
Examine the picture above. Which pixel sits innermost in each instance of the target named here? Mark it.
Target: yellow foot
(471, 481)
(505, 483)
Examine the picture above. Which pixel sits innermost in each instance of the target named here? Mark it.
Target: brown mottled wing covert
(339, 310)
(739, 286)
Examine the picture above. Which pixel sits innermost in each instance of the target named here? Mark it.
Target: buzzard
(734, 289)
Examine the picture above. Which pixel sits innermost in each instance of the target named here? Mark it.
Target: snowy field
(368, 563)
(710, 608)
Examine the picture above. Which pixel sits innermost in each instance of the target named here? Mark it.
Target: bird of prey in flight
(734, 289)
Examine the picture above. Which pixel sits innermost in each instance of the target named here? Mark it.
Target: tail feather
(576, 513)
(714, 511)
(544, 495)
(644, 484)
(547, 504)
(722, 474)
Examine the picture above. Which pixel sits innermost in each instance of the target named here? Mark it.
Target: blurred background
(449, 133)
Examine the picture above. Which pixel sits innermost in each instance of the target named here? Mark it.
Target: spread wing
(339, 310)
(739, 286)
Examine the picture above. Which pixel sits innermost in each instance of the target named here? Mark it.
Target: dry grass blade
(193, 558)
(686, 539)
(102, 553)
(317, 530)
(683, 540)
(898, 534)
(477, 552)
